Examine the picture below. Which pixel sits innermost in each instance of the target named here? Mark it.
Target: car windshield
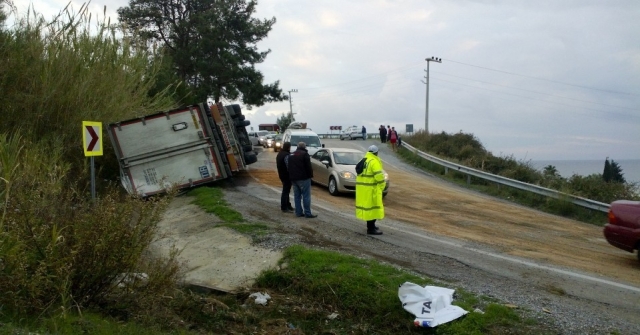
(278, 137)
(347, 158)
(263, 133)
(310, 140)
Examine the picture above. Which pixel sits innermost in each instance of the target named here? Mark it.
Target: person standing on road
(369, 187)
(364, 133)
(388, 133)
(283, 174)
(393, 138)
(300, 174)
(383, 134)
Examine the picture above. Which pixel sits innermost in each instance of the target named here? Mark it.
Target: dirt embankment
(442, 209)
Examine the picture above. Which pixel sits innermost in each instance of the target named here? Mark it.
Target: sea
(567, 168)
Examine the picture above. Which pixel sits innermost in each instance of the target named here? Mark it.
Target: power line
(537, 92)
(400, 69)
(529, 98)
(537, 78)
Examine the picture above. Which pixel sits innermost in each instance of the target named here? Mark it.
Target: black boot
(372, 229)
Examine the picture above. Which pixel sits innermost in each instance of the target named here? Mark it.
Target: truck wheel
(237, 109)
(231, 112)
(241, 123)
(250, 157)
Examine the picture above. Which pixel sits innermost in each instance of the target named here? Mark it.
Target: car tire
(333, 186)
(341, 138)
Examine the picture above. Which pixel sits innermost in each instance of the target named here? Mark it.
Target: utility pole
(290, 105)
(426, 113)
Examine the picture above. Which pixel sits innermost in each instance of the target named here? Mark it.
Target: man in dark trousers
(300, 174)
(383, 134)
(283, 174)
(364, 133)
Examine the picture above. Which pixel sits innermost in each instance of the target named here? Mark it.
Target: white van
(294, 136)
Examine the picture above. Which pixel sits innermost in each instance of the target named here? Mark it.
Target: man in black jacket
(283, 174)
(383, 134)
(300, 174)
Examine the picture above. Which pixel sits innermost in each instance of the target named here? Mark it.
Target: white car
(351, 133)
(295, 136)
(257, 136)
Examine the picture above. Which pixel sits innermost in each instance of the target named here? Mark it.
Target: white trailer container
(181, 148)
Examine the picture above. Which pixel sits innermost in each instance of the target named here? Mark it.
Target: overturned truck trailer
(181, 148)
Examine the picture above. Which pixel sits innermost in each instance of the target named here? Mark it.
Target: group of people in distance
(390, 135)
(294, 171)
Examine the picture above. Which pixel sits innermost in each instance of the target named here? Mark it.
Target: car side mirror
(323, 145)
(326, 163)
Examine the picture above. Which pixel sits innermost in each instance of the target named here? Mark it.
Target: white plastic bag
(430, 304)
(261, 299)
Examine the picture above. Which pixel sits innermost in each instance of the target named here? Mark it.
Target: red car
(623, 229)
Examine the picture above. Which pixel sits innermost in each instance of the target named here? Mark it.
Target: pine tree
(606, 174)
(616, 172)
(211, 44)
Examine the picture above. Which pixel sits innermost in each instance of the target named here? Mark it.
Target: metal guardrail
(591, 204)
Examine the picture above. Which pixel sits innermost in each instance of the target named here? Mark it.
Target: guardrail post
(468, 179)
(446, 170)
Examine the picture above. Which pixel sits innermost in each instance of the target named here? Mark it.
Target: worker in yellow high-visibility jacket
(369, 187)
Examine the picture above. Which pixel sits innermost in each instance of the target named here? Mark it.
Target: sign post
(92, 144)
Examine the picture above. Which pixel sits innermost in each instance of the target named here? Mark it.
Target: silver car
(335, 168)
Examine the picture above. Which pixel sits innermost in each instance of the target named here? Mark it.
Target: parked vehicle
(352, 133)
(335, 168)
(181, 148)
(268, 141)
(623, 229)
(307, 136)
(277, 143)
(254, 136)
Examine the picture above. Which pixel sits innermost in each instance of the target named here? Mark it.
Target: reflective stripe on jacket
(369, 187)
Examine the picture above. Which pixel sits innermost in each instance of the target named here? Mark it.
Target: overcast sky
(539, 80)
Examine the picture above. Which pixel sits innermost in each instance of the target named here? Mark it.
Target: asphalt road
(538, 261)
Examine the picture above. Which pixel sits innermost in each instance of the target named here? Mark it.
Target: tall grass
(54, 75)
(60, 251)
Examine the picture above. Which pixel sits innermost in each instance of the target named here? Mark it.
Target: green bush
(61, 250)
(466, 149)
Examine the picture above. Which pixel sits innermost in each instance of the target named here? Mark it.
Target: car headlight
(347, 175)
(278, 144)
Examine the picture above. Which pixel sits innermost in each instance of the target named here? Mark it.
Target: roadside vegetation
(466, 149)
